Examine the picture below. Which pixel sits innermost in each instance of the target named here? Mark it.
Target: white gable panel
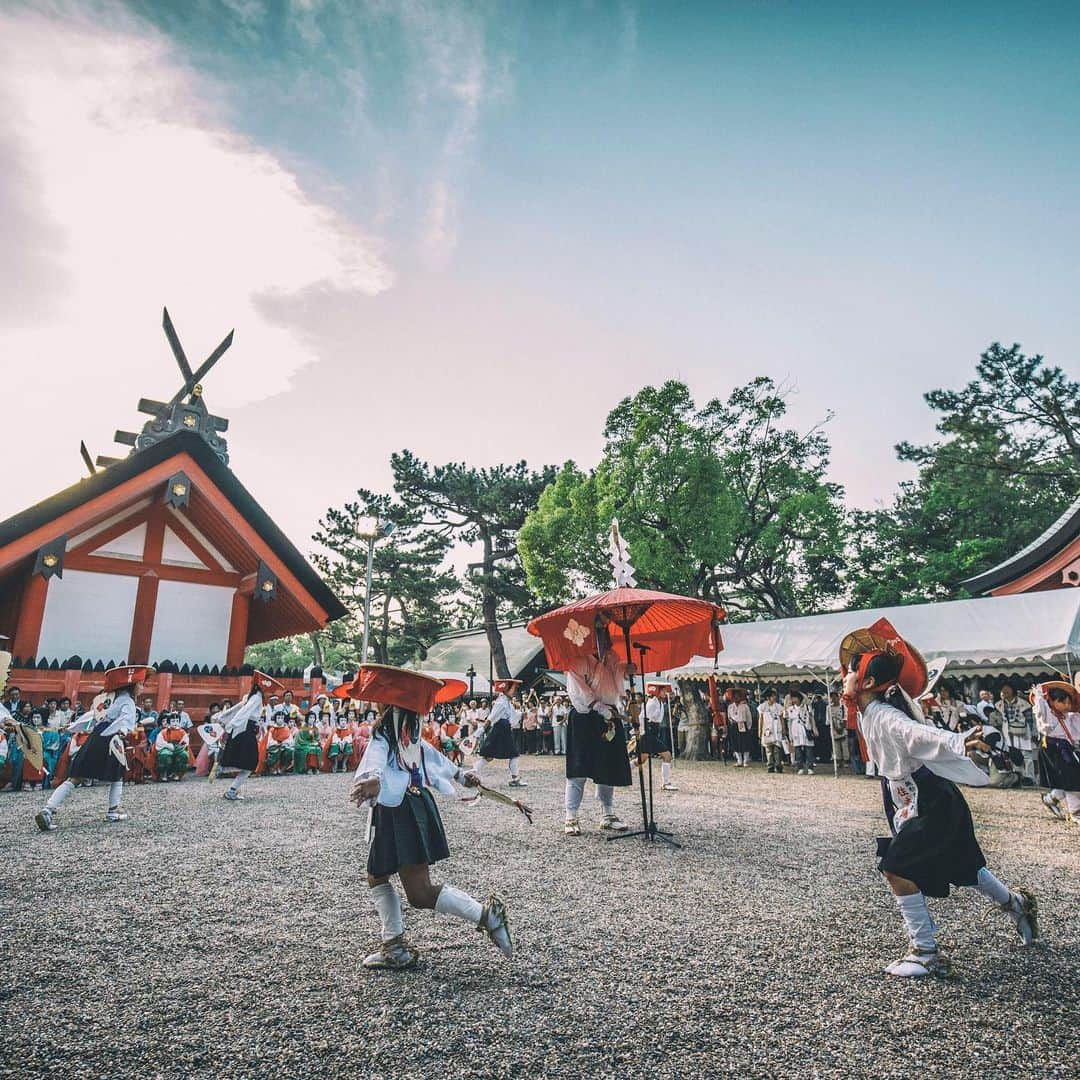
(127, 545)
(191, 623)
(88, 615)
(176, 552)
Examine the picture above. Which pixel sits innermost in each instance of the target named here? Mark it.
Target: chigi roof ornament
(185, 411)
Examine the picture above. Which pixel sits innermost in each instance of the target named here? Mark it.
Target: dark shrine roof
(1061, 533)
(129, 468)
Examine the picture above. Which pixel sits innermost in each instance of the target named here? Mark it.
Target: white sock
(991, 888)
(241, 776)
(665, 772)
(116, 791)
(1057, 793)
(388, 905)
(605, 795)
(56, 799)
(478, 766)
(453, 901)
(575, 791)
(920, 927)
(513, 768)
(1072, 803)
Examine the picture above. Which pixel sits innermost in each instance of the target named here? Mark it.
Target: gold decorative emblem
(179, 490)
(189, 420)
(267, 586)
(50, 560)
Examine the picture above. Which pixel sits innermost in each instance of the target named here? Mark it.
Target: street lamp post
(377, 530)
(471, 673)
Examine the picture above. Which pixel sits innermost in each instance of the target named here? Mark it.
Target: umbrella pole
(649, 829)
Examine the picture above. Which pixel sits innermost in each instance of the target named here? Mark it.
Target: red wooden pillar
(142, 626)
(71, 685)
(238, 628)
(164, 690)
(31, 614)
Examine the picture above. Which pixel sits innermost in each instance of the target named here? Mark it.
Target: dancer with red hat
(1057, 717)
(498, 738)
(102, 756)
(241, 724)
(933, 842)
(656, 733)
(396, 777)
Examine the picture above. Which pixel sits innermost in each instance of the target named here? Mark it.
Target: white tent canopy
(1023, 634)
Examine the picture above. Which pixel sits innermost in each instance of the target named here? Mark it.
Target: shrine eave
(1040, 551)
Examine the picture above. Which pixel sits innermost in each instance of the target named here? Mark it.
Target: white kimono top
(234, 719)
(503, 709)
(595, 685)
(800, 725)
(1050, 724)
(900, 746)
(438, 772)
(739, 714)
(772, 723)
(122, 715)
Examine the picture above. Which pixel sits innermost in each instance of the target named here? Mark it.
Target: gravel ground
(199, 939)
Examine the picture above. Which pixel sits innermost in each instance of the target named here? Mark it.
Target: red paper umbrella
(673, 628)
(451, 690)
(341, 692)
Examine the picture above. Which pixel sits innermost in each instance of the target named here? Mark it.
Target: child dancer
(933, 841)
(397, 774)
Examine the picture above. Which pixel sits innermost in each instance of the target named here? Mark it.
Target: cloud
(124, 189)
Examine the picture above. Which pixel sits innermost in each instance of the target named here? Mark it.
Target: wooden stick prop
(498, 796)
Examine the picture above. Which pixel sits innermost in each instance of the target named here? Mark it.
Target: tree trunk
(317, 649)
(697, 718)
(490, 607)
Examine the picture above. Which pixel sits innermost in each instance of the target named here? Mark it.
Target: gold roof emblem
(189, 420)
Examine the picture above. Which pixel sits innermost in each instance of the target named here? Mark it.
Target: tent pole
(828, 721)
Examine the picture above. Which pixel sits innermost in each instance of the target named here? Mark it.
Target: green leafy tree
(724, 502)
(1008, 463)
(410, 582)
(482, 507)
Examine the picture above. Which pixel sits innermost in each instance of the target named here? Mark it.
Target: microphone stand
(650, 830)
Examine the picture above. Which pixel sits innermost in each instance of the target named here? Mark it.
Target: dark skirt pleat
(590, 755)
(743, 741)
(499, 742)
(938, 848)
(1058, 761)
(657, 740)
(241, 751)
(406, 835)
(94, 761)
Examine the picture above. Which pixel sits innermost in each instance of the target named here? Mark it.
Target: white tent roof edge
(1036, 630)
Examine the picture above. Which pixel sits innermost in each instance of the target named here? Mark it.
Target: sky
(470, 229)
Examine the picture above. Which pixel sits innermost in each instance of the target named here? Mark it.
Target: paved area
(199, 939)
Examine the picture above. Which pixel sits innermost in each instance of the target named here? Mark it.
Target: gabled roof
(245, 533)
(457, 651)
(1061, 533)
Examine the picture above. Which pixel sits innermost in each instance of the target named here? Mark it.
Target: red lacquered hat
(412, 690)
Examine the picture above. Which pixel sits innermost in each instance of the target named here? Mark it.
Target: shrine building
(161, 557)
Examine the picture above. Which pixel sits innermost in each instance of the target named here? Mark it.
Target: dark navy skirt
(241, 751)
(657, 739)
(590, 755)
(94, 761)
(938, 848)
(406, 835)
(1059, 763)
(499, 742)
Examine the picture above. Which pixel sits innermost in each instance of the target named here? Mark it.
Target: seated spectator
(171, 751)
(307, 750)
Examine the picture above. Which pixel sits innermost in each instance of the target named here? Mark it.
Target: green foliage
(723, 502)
(485, 507)
(410, 585)
(1008, 465)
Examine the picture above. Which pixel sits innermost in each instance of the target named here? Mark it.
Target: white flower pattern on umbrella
(576, 632)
